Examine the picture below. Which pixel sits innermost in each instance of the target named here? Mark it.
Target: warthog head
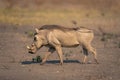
(37, 42)
(32, 49)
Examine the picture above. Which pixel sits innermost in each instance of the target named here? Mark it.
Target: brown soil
(16, 63)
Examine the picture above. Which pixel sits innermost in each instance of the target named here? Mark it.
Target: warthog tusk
(33, 44)
(28, 47)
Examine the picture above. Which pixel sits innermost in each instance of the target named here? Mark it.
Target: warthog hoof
(42, 63)
(82, 62)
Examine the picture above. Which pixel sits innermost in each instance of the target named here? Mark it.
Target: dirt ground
(16, 63)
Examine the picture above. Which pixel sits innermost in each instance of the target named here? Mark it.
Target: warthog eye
(35, 39)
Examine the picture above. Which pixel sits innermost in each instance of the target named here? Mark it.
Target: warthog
(55, 37)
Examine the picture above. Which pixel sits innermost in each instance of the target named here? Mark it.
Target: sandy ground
(16, 63)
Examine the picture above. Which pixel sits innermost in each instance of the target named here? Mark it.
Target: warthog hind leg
(92, 50)
(85, 51)
(94, 54)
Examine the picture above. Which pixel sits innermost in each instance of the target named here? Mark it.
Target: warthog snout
(31, 49)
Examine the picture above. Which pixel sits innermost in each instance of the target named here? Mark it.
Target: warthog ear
(37, 30)
(28, 47)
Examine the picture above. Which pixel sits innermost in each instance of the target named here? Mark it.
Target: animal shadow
(50, 62)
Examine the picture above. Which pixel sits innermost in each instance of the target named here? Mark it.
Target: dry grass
(90, 18)
(26, 16)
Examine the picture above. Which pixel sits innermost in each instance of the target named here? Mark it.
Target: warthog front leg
(45, 58)
(50, 51)
(60, 54)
